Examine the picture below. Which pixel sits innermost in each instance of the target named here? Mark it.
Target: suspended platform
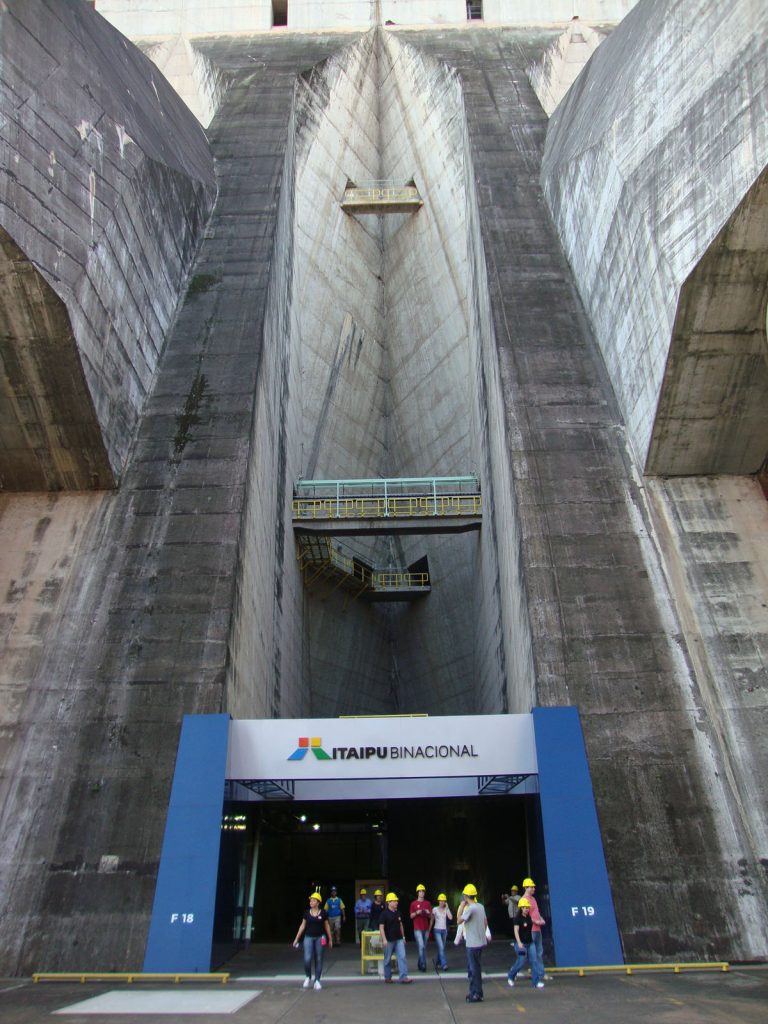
(383, 196)
(377, 507)
(324, 561)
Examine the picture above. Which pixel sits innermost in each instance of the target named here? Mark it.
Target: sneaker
(406, 980)
(387, 981)
(511, 982)
(317, 986)
(539, 984)
(307, 983)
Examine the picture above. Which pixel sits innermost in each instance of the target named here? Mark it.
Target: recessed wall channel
(379, 361)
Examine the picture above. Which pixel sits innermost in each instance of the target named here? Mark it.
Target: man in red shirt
(421, 915)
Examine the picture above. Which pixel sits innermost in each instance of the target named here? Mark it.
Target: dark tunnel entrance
(273, 854)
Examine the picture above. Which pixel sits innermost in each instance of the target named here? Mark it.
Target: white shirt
(442, 916)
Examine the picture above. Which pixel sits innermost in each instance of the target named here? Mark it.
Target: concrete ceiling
(711, 416)
(49, 437)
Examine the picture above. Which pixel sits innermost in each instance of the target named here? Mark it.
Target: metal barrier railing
(381, 191)
(400, 580)
(321, 553)
(402, 498)
(383, 508)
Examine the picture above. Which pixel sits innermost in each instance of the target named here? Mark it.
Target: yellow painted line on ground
(128, 976)
(719, 965)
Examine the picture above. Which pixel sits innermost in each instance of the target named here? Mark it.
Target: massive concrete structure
(552, 357)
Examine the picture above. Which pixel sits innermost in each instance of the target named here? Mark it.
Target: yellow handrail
(320, 552)
(391, 193)
(709, 965)
(406, 507)
(129, 976)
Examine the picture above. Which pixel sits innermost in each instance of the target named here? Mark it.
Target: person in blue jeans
(471, 914)
(421, 918)
(316, 931)
(525, 946)
(393, 940)
(441, 915)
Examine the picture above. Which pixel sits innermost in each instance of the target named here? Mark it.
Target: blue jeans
(474, 956)
(313, 950)
(420, 937)
(440, 937)
(532, 956)
(398, 948)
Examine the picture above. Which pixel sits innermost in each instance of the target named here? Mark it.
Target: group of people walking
(425, 919)
(318, 931)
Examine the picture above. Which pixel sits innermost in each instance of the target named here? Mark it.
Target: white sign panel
(381, 748)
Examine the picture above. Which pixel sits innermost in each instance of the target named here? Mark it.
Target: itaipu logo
(313, 743)
(431, 750)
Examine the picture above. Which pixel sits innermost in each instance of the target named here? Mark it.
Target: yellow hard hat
(514, 888)
(316, 896)
(421, 888)
(391, 896)
(377, 892)
(469, 890)
(523, 902)
(363, 892)
(442, 896)
(528, 883)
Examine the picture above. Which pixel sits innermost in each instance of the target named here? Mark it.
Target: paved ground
(266, 989)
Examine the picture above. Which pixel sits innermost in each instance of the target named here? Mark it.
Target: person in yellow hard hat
(376, 908)
(337, 913)
(421, 916)
(525, 947)
(315, 930)
(472, 915)
(441, 915)
(529, 891)
(393, 940)
(362, 914)
(510, 902)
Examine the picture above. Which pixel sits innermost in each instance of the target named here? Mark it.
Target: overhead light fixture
(316, 827)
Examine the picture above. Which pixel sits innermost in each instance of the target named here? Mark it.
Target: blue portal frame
(584, 929)
(181, 929)
(582, 922)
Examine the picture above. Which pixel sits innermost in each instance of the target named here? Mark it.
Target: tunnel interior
(294, 848)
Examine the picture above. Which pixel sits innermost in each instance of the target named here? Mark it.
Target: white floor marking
(159, 1001)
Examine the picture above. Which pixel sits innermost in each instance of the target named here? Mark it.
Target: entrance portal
(295, 848)
(438, 796)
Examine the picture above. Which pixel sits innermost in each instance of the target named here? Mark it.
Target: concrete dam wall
(311, 342)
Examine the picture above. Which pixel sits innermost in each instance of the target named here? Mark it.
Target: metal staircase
(327, 561)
